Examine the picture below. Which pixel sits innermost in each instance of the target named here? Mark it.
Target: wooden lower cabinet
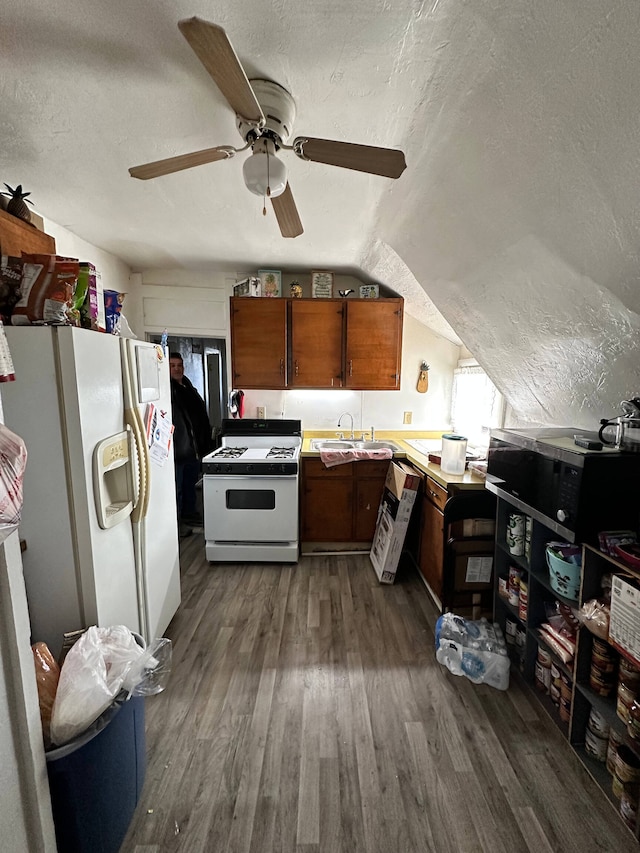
(432, 537)
(369, 484)
(327, 502)
(340, 504)
(444, 545)
(432, 546)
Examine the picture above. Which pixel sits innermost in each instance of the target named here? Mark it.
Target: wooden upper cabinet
(259, 342)
(374, 344)
(17, 236)
(316, 343)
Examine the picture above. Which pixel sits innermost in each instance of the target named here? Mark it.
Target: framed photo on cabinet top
(369, 291)
(270, 282)
(321, 284)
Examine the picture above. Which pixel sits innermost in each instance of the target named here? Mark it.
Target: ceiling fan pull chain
(268, 177)
(264, 206)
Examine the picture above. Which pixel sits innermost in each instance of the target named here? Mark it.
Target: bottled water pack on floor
(476, 650)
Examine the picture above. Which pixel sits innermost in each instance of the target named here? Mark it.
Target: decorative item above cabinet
(316, 343)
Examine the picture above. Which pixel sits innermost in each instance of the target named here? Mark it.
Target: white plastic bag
(150, 673)
(13, 460)
(476, 650)
(98, 666)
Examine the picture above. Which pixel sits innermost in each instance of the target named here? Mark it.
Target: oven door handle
(255, 478)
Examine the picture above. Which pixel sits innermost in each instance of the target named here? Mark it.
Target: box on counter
(247, 287)
(624, 620)
(398, 498)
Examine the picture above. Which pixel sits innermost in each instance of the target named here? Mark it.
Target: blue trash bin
(96, 781)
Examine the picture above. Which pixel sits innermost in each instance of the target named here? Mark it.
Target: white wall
(115, 273)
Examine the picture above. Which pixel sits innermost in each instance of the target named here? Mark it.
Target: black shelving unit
(535, 573)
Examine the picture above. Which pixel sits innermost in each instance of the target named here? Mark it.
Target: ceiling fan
(265, 113)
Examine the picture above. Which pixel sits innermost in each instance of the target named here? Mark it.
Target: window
(476, 404)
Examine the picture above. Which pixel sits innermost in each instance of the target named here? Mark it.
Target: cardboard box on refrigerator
(398, 498)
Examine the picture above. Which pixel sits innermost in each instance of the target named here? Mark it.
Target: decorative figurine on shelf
(345, 293)
(296, 289)
(423, 378)
(17, 207)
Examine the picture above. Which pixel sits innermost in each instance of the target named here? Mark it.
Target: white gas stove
(250, 492)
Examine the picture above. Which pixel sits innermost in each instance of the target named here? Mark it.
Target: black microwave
(568, 487)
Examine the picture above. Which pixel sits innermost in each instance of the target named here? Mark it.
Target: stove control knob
(227, 468)
(249, 469)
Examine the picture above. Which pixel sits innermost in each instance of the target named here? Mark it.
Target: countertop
(465, 481)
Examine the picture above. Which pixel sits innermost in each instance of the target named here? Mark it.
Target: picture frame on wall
(322, 284)
(270, 282)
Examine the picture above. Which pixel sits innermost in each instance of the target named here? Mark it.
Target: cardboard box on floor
(394, 513)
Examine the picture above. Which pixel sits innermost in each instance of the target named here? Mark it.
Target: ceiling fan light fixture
(264, 173)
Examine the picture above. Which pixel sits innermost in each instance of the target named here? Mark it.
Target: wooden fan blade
(388, 162)
(211, 45)
(183, 161)
(286, 213)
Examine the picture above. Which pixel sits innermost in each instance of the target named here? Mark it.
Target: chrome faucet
(351, 416)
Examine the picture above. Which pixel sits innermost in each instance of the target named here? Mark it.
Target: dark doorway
(205, 364)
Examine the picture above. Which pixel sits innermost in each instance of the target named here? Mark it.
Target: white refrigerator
(99, 516)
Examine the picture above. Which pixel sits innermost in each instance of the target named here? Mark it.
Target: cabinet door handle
(296, 364)
(282, 367)
(350, 367)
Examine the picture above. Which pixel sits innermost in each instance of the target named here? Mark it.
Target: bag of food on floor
(476, 650)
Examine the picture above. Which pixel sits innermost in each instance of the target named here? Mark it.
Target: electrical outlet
(407, 417)
(262, 412)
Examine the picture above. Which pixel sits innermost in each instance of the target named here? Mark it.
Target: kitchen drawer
(372, 468)
(435, 493)
(317, 468)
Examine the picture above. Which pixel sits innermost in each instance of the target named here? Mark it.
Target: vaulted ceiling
(515, 227)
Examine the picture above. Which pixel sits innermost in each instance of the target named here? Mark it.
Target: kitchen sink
(352, 444)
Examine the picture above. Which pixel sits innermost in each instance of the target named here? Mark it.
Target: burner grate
(281, 453)
(230, 452)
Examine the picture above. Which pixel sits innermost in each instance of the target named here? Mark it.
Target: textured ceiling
(91, 88)
(516, 223)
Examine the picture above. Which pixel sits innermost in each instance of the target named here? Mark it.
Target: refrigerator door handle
(133, 419)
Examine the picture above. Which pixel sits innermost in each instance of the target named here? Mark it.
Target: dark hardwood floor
(306, 713)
